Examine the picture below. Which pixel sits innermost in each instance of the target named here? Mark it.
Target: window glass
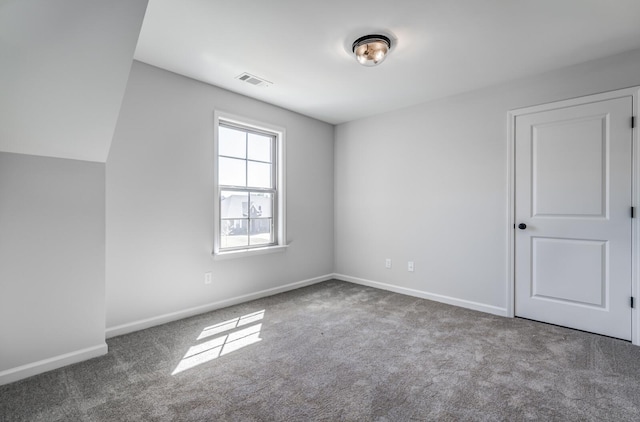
(261, 205)
(259, 174)
(234, 233)
(246, 188)
(232, 142)
(233, 204)
(232, 171)
(259, 147)
(261, 232)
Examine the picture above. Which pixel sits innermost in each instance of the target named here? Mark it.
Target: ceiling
(442, 47)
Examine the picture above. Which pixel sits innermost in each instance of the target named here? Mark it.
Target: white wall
(160, 202)
(429, 184)
(63, 72)
(52, 246)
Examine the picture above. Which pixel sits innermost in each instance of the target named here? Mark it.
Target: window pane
(261, 205)
(246, 170)
(261, 231)
(259, 175)
(232, 172)
(233, 233)
(232, 143)
(234, 204)
(260, 147)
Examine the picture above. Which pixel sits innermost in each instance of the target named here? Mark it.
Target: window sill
(242, 253)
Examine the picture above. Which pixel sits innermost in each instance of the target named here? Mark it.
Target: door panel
(573, 192)
(556, 260)
(581, 191)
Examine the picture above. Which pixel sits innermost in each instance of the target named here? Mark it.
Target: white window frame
(280, 205)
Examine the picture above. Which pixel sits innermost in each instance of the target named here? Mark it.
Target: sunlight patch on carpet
(223, 344)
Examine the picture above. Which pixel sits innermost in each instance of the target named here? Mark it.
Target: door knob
(522, 226)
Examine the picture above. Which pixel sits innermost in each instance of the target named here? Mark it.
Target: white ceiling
(443, 47)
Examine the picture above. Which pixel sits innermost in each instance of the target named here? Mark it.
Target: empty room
(420, 210)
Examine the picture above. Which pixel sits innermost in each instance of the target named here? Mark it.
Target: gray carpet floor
(337, 351)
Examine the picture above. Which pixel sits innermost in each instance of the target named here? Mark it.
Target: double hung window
(248, 187)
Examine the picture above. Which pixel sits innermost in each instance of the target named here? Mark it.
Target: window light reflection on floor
(223, 344)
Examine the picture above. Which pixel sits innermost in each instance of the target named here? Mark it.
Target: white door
(573, 194)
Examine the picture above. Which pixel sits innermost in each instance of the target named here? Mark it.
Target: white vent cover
(253, 79)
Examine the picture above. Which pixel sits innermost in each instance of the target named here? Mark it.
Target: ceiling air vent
(253, 79)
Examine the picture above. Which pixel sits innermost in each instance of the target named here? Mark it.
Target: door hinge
(633, 212)
(633, 122)
(631, 302)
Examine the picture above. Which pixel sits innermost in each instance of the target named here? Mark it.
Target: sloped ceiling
(63, 73)
(442, 47)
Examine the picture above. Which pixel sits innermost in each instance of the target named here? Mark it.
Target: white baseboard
(45, 365)
(425, 295)
(185, 313)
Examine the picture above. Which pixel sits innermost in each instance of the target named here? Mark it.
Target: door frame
(635, 193)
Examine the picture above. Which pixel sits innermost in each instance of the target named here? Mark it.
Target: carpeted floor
(337, 351)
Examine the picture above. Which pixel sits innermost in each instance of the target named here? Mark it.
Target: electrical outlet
(410, 266)
(207, 278)
(387, 263)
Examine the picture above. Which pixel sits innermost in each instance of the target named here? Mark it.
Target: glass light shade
(371, 50)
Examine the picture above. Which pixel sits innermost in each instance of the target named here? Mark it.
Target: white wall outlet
(410, 266)
(207, 278)
(387, 263)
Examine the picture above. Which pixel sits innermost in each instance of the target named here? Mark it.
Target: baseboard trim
(476, 306)
(196, 310)
(45, 365)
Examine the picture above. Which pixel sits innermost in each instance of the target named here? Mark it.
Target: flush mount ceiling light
(371, 50)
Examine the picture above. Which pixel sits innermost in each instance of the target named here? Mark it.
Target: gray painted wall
(429, 184)
(160, 200)
(52, 246)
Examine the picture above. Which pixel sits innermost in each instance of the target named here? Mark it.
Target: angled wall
(64, 70)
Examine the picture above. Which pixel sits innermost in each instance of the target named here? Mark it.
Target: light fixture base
(371, 50)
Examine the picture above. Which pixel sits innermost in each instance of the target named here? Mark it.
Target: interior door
(573, 216)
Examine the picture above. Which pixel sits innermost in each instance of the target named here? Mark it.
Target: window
(250, 212)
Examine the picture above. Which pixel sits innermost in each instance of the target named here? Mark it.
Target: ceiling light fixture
(371, 50)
